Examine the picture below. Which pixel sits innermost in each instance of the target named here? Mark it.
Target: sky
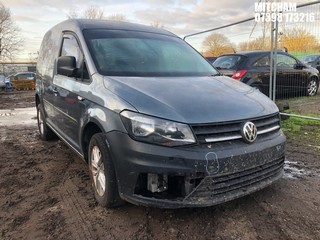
(182, 17)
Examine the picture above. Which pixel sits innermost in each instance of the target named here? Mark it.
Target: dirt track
(45, 193)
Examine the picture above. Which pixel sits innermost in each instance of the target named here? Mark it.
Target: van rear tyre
(45, 132)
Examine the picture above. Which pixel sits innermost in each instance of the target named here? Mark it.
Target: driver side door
(69, 100)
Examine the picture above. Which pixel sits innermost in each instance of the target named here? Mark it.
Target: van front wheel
(102, 172)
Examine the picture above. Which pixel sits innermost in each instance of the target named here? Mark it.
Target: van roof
(81, 24)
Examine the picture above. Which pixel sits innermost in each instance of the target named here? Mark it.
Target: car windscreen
(309, 58)
(227, 62)
(132, 53)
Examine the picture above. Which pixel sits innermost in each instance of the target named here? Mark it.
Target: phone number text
(284, 17)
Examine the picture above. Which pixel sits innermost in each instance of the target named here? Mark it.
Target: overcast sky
(182, 17)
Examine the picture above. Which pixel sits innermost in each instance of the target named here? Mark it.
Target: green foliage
(301, 129)
(302, 54)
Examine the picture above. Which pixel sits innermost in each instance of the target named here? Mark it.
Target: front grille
(226, 186)
(227, 131)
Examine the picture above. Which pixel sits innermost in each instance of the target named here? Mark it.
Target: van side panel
(46, 66)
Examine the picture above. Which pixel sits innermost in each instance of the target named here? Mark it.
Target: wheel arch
(88, 131)
(315, 77)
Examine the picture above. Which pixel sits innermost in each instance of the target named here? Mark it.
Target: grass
(302, 54)
(305, 130)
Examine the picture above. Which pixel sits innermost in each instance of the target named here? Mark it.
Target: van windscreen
(132, 53)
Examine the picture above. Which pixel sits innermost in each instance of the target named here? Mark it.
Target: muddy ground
(45, 193)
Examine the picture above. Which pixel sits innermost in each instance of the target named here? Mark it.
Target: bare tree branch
(259, 43)
(72, 14)
(94, 12)
(217, 44)
(117, 17)
(10, 35)
(157, 24)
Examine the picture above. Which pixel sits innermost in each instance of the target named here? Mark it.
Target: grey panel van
(156, 123)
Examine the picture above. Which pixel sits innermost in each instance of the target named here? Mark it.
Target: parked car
(312, 61)
(253, 68)
(23, 76)
(155, 131)
(211, 59)
(23, 80)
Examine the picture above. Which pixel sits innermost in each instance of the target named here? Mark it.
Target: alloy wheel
(312, 87)
(97, 168)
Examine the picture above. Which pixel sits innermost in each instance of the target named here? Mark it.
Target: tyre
(102, 172)
(312, 87)
(45, 132)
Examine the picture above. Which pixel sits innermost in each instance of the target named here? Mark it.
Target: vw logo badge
(249, 132)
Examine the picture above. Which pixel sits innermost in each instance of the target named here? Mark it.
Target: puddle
(6, 114)
(18, 116)
(293, 170)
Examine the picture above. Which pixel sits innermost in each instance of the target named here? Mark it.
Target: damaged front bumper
(194, 176)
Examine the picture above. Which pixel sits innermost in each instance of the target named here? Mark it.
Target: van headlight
(155, 130)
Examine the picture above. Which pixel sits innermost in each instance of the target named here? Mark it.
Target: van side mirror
(66, 65)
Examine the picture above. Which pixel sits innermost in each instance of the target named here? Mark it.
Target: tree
(157, 24)
(217, 44)
(298, 40)
(10, 35)
(117, 17)
(259, 43)
(92, 12)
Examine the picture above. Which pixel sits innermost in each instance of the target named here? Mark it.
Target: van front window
(131, 53)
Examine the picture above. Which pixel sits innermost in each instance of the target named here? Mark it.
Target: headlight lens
(157, 131)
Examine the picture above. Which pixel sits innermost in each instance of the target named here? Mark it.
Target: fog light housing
(157, 182)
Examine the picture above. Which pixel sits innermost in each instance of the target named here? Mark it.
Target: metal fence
(296, 31)
(8, 68)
